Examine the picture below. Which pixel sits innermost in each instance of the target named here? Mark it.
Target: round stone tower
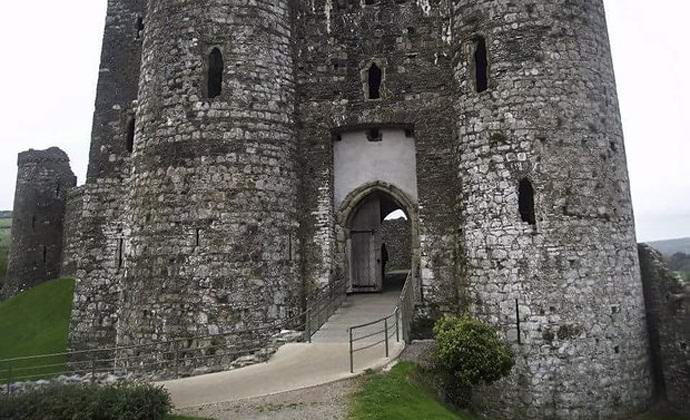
(548, 227)
(44, 178)
(214, 190)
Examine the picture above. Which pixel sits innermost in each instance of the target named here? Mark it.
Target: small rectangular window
(131, 130)
(526, 202)
(374, 135)
(215, 73)
(481, 65)
(375, 76)
(139, 28)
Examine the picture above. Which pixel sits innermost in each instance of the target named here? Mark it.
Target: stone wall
(563, 284)
(668, 317)
(117, 90)
(408, 41)
(97, 238)
(396, 235)
(43, 181)
(221, 213)
(95, 254)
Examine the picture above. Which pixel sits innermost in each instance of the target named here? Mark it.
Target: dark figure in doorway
(384, 260)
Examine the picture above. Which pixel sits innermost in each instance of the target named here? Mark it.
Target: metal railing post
(124, 360)
(397, 325)
(93, 369)
(385, 332)
(352, 359)
(307, 326)
(9, 378)
(176, 344)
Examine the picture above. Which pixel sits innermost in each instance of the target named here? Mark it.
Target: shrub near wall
(469, 353)
(86, 402)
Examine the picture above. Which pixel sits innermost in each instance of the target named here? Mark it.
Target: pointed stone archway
(358, 250)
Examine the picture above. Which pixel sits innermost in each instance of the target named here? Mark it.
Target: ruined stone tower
(244, 152)
(43, 181)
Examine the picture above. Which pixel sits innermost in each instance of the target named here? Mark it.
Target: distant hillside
(672, 246)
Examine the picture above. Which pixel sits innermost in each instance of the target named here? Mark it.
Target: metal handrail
(404, 309)
(322, 303)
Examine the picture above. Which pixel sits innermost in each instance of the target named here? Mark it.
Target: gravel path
(325, 402)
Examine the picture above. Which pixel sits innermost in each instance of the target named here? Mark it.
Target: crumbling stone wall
(668, 317)
(566, 289)
(43, 180)
(396, 235)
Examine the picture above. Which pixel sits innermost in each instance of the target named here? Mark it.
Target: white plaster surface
(359, 161)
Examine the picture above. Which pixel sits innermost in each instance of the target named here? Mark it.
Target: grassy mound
(398, 395)
(36, 322)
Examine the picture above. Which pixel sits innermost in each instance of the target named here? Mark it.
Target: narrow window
(374, 82)
(481, 65)
(57, 191)
(526, 202)
(45, 254)
(517, 317)
(139, 27)
(198, 237)
(120, 253)
(215, 73)
(131, 128)
(290, 247)
(33, 223)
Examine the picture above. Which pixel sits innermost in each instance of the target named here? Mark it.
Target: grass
(36, 322)
(398, 395)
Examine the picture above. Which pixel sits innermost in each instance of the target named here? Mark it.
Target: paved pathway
(300, 365)
(357, 310)
(324, 402)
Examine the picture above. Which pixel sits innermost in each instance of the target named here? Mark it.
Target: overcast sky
(50, 55)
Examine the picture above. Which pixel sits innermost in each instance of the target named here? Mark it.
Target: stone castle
(246, 151)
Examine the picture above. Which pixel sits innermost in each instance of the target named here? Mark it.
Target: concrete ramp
(356, 310)
(302, 365)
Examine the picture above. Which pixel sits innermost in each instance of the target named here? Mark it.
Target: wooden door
(365, 248)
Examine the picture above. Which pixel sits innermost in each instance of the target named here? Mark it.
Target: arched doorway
(372, 249)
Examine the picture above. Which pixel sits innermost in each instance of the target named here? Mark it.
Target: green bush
(88, 402)
(469, 353)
